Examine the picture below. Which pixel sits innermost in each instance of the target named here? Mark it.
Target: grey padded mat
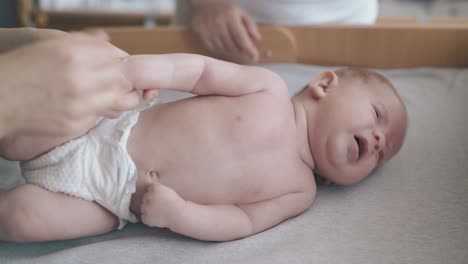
(412, 210)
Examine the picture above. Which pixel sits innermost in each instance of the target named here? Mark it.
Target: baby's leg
(29, 213)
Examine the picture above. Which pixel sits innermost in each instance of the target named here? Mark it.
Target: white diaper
(95, 167)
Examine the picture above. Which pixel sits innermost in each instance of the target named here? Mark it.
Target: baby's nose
(379, 140)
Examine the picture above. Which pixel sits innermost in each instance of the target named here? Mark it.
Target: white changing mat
(412, 210)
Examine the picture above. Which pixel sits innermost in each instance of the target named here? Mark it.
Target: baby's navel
(153, 175)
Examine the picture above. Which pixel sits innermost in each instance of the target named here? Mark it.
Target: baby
(237, 159)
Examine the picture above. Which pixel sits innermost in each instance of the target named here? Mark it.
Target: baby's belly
(199, 180)
(202, 188)
(199, 167)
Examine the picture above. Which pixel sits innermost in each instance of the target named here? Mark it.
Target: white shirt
(307, 12)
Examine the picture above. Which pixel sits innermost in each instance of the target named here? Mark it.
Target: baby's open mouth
(361, 146)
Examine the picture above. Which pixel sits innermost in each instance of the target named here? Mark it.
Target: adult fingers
(208, 43)
(111, 105)
(120, 96)
(218, 46)
(228, 44)
(212, 32)
(107, 78)
(127, 101)
(206, 36)
(252, 28)
(240, 55)
(104, 91)
(243, 40)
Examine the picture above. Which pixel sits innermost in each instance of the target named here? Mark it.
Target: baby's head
(356, 122)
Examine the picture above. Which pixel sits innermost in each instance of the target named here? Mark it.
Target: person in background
(229, 28)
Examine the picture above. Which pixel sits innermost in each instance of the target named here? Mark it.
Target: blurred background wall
(7, 13)
(76, 14)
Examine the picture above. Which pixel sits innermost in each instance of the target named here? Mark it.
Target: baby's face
(358, 127)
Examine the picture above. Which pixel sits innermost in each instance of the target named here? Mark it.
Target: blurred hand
(12, 38)
(59, 88)
(226, 30)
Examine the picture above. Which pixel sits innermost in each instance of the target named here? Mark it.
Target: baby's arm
(199, 75)
(162, 207)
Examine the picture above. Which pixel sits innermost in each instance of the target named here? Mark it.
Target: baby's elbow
(233, 230)
(271, 82)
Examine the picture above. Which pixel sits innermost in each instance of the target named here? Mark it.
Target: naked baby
(237, 159)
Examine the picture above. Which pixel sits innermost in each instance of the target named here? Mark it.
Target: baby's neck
(302, 135)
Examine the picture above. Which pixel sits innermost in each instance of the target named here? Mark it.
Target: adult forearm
(17, 37)
(13, 38)
(198, 3)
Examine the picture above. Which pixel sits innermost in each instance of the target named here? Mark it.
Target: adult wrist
(14, 38)
(196, 4)
(17, 37)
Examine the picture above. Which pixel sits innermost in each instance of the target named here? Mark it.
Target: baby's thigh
(31, 213)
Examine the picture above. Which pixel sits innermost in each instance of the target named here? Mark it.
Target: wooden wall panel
(380, 46)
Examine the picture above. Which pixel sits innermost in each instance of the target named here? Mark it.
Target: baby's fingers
(150, 94)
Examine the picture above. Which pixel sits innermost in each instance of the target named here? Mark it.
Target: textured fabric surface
(412, 210)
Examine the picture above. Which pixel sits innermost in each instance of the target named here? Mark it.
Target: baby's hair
(362, 74)
(366, 76)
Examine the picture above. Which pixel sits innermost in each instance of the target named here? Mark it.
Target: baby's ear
(322, 83)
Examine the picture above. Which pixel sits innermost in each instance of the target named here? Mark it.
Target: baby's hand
(160, 204)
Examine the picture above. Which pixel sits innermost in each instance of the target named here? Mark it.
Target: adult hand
(59, 88)
(226, 30)
(12, 38)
